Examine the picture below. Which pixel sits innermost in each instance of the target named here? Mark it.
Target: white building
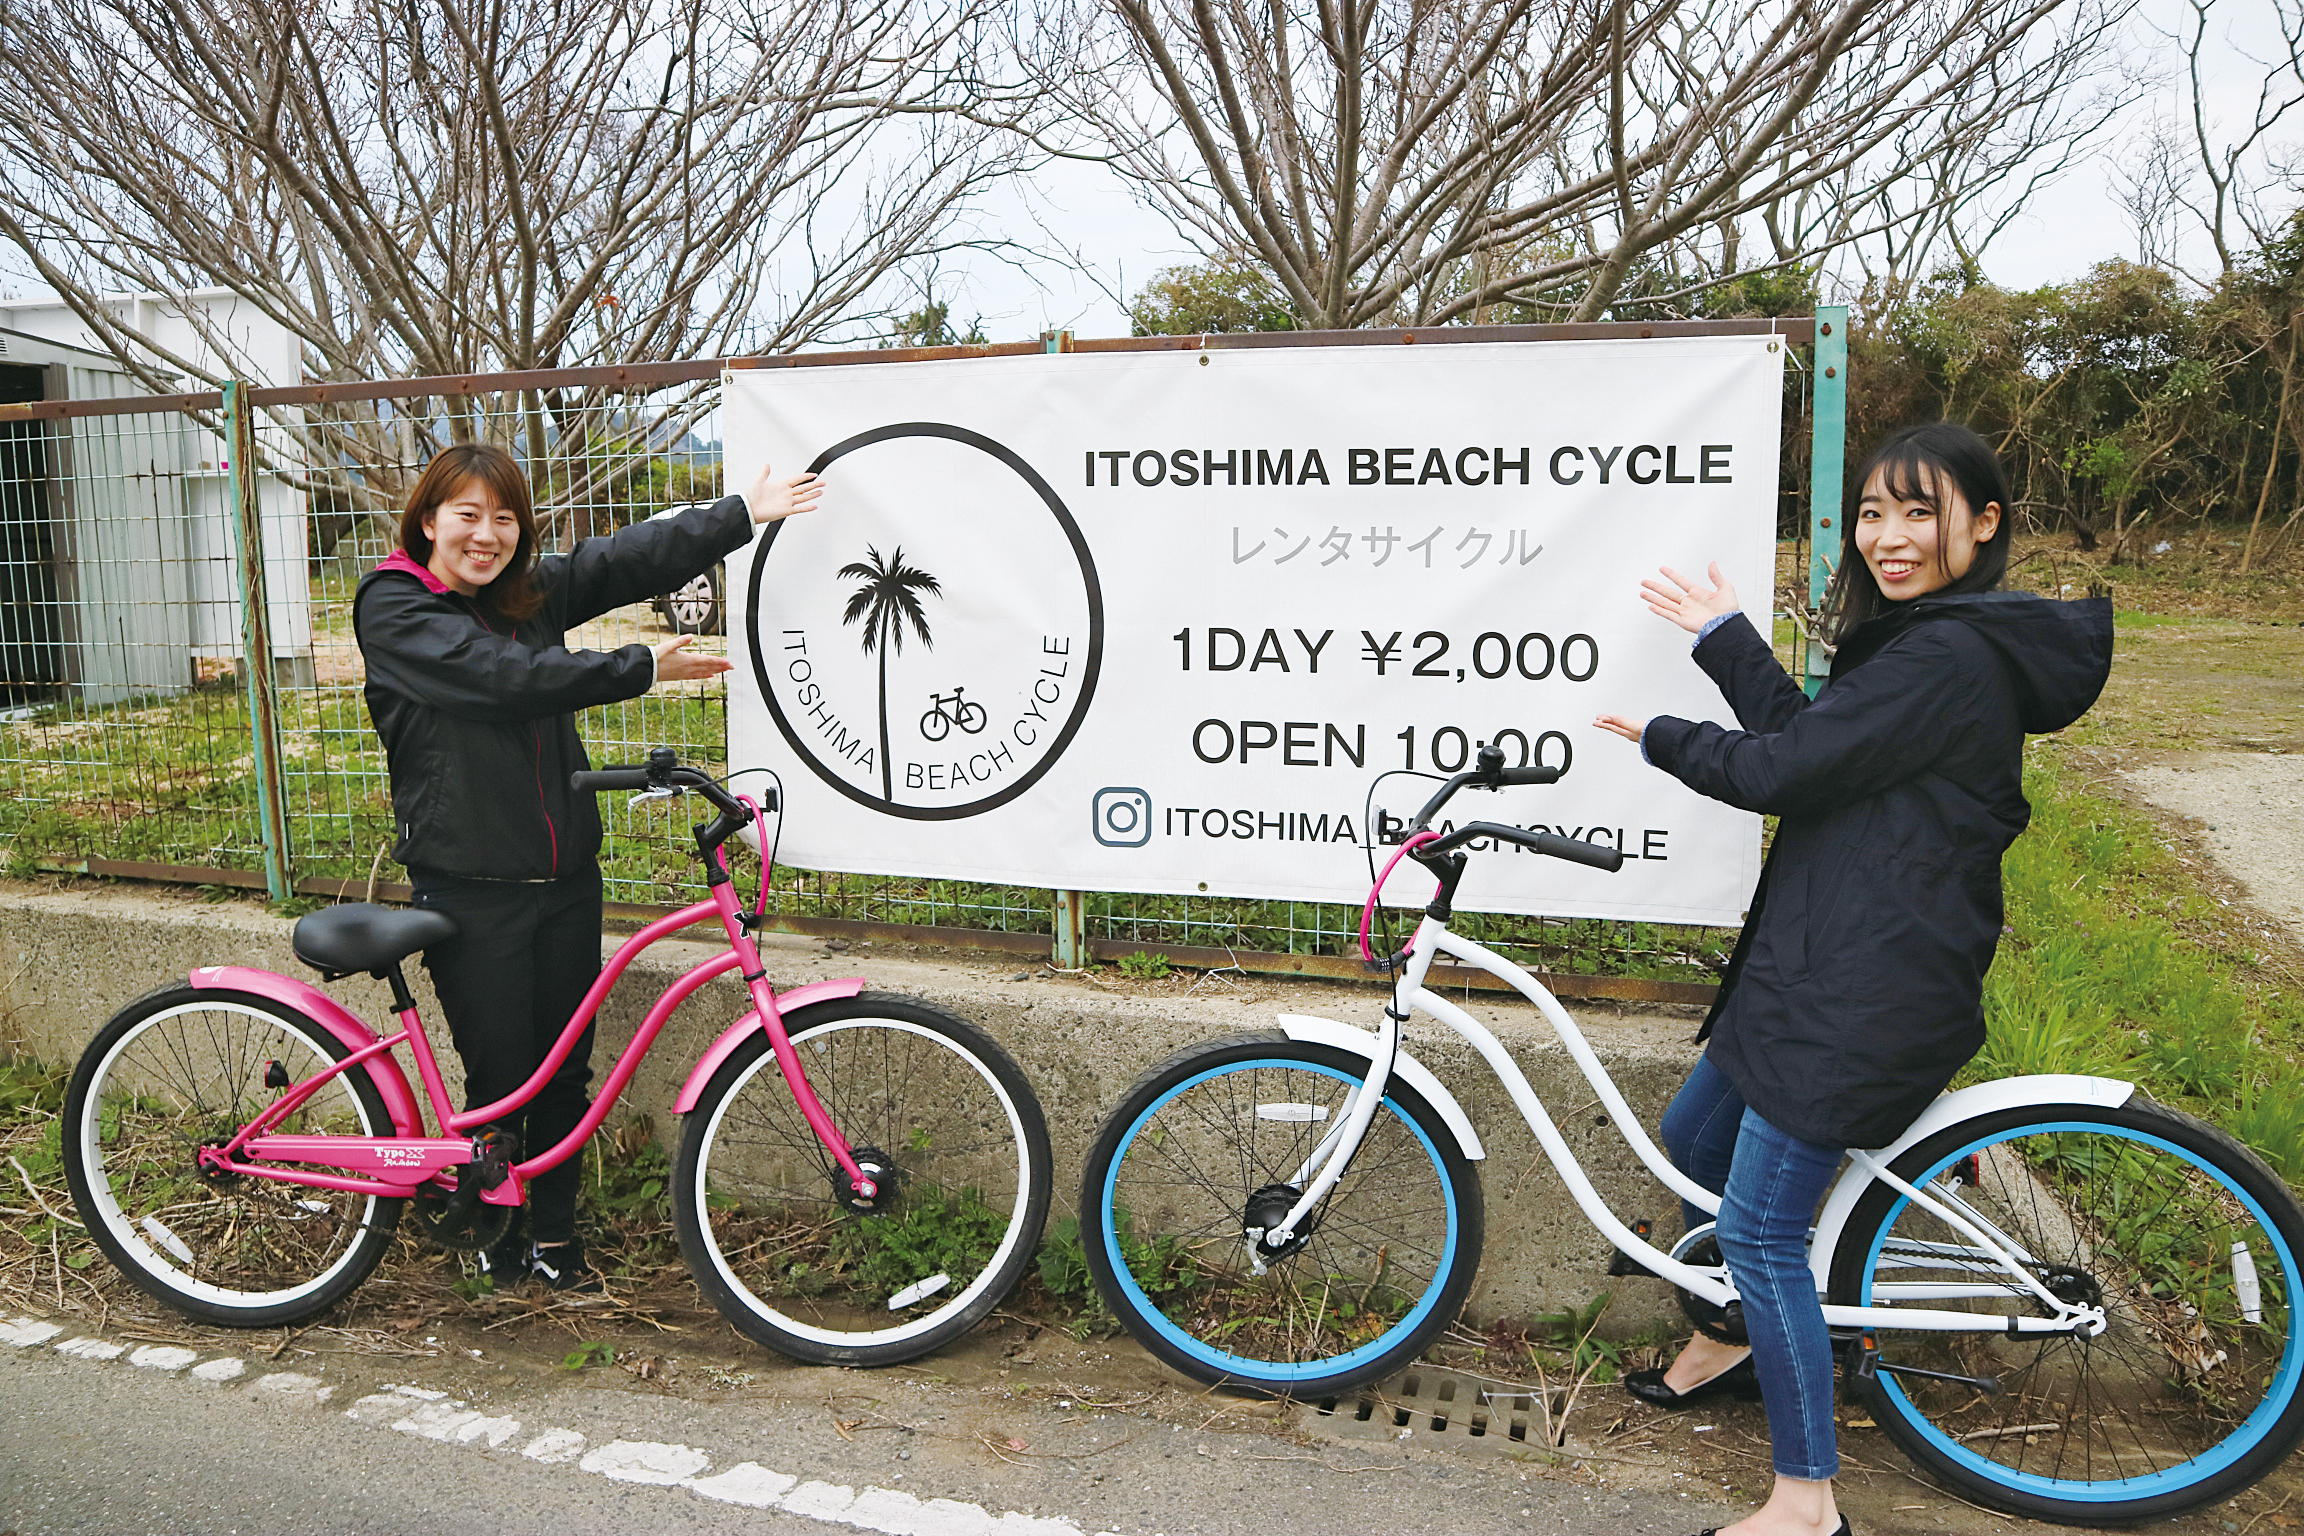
(116, 536)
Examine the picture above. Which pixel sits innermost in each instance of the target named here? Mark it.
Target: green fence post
(256, 671)
(1827, 458)
(1069, 910)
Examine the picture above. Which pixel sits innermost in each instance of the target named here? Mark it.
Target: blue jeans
(1769, 1184)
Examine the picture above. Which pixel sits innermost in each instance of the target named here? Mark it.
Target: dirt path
(2250, 807)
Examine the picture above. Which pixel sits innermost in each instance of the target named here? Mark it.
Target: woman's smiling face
(473, 538)
(1921, 539)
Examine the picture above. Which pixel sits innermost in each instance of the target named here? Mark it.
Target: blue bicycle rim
(1242, 1365)
(2184, 1474)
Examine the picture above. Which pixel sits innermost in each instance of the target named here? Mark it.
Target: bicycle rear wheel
(179, 1069)
(2183, 1235)
(962, 1151)
(1208, 1143)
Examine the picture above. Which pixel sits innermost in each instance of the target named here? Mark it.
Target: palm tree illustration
(888, 598)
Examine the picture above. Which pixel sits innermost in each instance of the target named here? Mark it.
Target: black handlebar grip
(599, 779)
(1540, 773)
(1610, 859)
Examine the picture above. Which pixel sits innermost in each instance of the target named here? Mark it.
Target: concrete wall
(71, 957)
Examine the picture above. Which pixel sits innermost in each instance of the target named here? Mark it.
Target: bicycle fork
(1333, 1154)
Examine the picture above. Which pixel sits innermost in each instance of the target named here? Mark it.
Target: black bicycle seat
(360, 936)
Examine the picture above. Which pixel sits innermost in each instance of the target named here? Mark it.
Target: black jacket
(1856, 989)
(478, 714)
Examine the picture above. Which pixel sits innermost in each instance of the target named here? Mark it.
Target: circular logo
(929, 648)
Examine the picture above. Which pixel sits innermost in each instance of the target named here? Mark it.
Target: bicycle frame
(396, 1166)
(1994, 1253)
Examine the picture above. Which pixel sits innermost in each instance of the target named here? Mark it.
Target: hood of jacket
(402, 561)
(2058, 653)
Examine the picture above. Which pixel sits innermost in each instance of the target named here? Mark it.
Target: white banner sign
(1157, 621)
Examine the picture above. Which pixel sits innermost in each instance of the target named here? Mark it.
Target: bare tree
(2222, 170)
(1416, 161)
(439, 187)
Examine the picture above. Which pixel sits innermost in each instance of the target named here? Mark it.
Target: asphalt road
(95, 1446)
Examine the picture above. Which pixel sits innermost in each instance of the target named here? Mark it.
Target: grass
(2117, 961)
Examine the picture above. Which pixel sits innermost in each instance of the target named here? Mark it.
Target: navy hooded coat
(1856, 990)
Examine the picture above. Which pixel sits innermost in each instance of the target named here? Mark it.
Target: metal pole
(256, 637)
(1827, 460)
(1069, 910)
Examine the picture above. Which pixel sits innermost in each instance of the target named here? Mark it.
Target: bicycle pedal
(1622, 1263)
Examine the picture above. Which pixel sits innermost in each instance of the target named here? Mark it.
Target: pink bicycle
(861, 1176)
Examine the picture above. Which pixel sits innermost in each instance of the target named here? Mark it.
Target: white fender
(1949, 1109)
(1361, 1042)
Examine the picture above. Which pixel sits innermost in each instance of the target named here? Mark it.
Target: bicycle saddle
(360, 936)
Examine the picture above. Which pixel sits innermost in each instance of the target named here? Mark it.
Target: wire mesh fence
(141, 571)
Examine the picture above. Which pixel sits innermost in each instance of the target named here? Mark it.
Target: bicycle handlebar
(663, 771)
(1597, 855)
(1490, 773)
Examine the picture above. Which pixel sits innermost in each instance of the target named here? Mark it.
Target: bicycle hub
(1268, 1208)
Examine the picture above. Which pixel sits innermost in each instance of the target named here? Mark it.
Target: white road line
(554, 1445)
(163, 1357)
(748, 1484)
(90, 1349)
(645, 1461)
(292, 1389)
(433, 1415)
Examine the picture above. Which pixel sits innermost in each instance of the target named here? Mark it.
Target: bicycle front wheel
(2184, 1237)
(766, 1218)
(180, 1069)
(1212, 1142)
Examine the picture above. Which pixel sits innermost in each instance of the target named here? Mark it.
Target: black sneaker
(504, 1263)
(562, 1267)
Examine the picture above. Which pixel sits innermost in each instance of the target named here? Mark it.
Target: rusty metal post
(256, 672)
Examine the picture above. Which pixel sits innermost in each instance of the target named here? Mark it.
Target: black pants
(523, 957)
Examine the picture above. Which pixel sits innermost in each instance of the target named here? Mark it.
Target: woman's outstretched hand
(1684, 603)
(675, 663)
(772, 500)
(1623, 725)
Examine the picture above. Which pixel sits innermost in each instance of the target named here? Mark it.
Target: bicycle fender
(330, 1015)
(734, 1035)
(1950, 1109)
(1303, 1026)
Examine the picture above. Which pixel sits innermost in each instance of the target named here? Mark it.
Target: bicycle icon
(936, 724)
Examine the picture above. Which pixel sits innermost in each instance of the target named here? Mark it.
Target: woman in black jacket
(1855, 992)
(474, 690)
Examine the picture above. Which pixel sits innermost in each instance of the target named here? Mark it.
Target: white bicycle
(2058, 1297)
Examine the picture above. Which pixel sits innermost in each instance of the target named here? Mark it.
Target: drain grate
(1470, 1413)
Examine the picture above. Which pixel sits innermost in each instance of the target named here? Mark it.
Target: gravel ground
(2252, 806)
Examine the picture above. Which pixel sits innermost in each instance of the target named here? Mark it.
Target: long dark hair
(1923, 463)
(513, 593)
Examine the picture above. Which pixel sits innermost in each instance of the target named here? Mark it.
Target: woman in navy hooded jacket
(1855, 992)
(473, 687)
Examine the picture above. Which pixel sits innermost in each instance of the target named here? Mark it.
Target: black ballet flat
(1840, 1530)
(1739, 1380)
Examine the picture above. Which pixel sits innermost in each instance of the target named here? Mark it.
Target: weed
(590, 1353)
(885, 1254)
(1144, 967)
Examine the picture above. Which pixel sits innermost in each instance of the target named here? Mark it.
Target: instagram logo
(1121, 818)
